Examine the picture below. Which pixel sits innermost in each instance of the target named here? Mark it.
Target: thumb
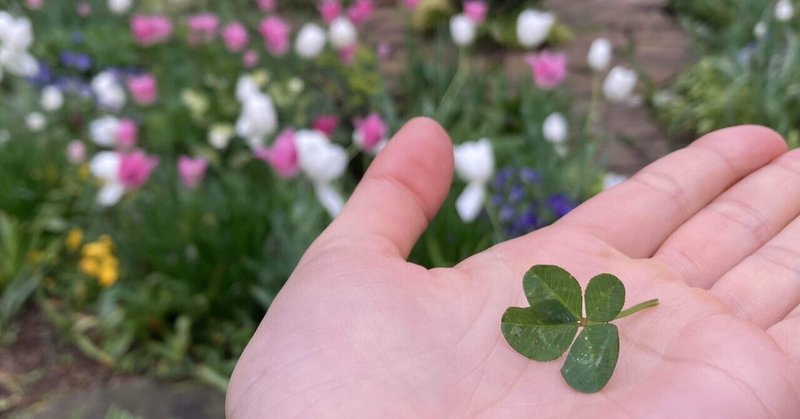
(400, 193)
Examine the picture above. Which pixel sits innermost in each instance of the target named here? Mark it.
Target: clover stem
(637, 308)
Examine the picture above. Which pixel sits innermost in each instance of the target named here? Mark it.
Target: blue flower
(528, 175)
(76, 60)
(560, 204)
(506, 213)
(502, 177)
(44, 77)
(516, 195)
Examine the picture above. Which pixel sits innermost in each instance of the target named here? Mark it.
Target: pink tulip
(135, 168)
(549, 70)
(149, 30)
(266, 5)
(476, 10)
(411, 4)
(127, 132)
(360, 11)
(235, 36)
(144, 89)
(34, 4)
(76, 152)
(203, 27)
(83, 9)
(326, 124)
(370, 131)
(250, 58)
(276, 34)
(282, 156)
(348, 54)
(330, 10)
(192, 170)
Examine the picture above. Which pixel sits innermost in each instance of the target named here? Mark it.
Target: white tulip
(599, 56)
(108, 90)
(16, 37)
(462, 29)
(119, 7)
(322, 162)
(612, 179)
(257, 120)
(784, 10)
(474, 163)
(219, 136)
(760, 29)
(6, 21)
(35, 121)
(318, 158)
(470, 202)
(246, 86)
(310, 41)
(103, 131)
(105, 166)
(342, 32)
(620, 84)
(52, 99)
(555, 128)
(16, 34)
(533, 27)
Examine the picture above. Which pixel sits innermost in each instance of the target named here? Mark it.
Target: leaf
(553, 293)
(605, 296)
(592, 359)
(536, 337)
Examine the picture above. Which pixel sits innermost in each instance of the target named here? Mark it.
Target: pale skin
(712, 230)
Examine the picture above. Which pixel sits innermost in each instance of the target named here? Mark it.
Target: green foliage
(545, 330)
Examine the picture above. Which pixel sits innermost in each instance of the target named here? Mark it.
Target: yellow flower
(89, 266)
(74, 239)
(108, 275)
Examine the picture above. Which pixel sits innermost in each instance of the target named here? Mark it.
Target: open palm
(711, 230)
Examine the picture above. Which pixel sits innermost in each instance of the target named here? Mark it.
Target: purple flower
(502, 177)
(517, 194)
(528, 175)
(560, 204)
(76, 60)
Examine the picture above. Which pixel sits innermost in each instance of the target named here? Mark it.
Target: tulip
(360, 11)
(119, 7)
(52, 99)
(105, 166)
(476, 10)
(150, 30)
(76, 152)
(16, 37)
(135, 168)
(143, 88)
(549, 70)
(599, 56)
(276, 35)
(220, 135)
(556, 131)
(191, 170)
(108, 91)
(203, 27)
(620, 84)
(342, 33)
(326, 124)
(35, 121)
(310, 41)
(257, 120)
(282, 156)
(474, 164)
(462, 29)
(784, 10)
(103, 131)
(235, 36)
(330, 10)
(370, 133)
(322, 162)
(266, 5)
(126, 133)
(533, 27)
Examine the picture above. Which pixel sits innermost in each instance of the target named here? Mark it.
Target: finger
(401, 192)
(638, 215)
(785, 335)
(736, 224)
(765, 287)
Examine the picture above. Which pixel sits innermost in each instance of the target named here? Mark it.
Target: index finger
(638, 215)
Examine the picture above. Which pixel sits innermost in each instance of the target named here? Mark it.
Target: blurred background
(165, 163)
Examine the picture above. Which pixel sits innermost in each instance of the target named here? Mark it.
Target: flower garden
(165, 164)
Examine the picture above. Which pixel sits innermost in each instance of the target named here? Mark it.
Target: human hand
(712, 231)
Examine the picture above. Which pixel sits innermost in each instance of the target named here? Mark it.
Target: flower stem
(637, 308)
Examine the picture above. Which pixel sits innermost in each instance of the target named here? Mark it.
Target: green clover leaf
(546, 329)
